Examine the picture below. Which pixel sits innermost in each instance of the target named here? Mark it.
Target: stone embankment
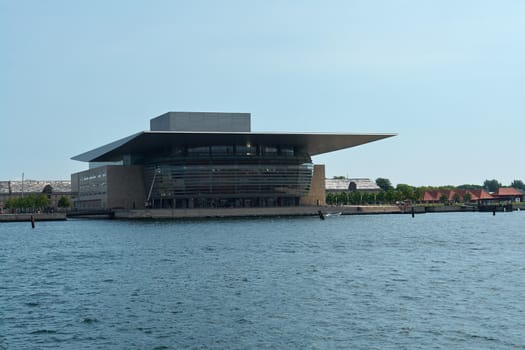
(252, 212)
(36, 217)
(240, 212)
(288, 211)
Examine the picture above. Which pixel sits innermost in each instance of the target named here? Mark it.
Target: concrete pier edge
(37, 217)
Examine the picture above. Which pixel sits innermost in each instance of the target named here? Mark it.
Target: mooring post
(413, 213)
(32, 221)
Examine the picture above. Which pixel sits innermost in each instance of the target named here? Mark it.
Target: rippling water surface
(361, 282)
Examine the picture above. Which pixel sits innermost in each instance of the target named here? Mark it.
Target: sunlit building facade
(207, 160)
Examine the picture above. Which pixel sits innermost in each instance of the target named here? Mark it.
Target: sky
(446, 76)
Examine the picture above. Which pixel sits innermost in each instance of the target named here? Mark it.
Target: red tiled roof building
(476, 196)
(436, 196)
(509, 194)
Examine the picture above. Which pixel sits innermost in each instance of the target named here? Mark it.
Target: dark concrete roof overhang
(149, 141)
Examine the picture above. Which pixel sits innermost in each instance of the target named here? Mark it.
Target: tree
(10, 203)
(398, 196)
(407, 191)
(367, 198)
(389, 196)
(469, 187)
(330, 198)
(467, 197)
(491, 185)
(29, 201)
(356, 197)
(518, 184)
(385, 184)
(342, 198)
(40, 201)
(64, 202)
(456, 197)
(418, 193)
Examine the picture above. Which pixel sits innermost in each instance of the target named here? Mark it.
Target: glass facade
(226, 176)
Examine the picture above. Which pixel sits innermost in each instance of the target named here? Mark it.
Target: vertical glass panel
(270, 151)
(287, 151)
(199, 151)
(247, 150)
(222, 150)
(177, 151)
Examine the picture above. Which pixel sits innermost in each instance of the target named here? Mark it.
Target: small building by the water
(509, 194)
(351, 185)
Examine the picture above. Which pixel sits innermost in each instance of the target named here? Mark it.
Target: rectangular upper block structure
(202, 121)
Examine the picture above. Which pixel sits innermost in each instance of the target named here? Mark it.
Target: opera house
(207, 160)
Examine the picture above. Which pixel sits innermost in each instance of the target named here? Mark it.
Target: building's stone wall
(109, 187)
(317, 194)
(125, 187)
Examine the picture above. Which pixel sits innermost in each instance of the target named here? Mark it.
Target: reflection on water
(387, 281)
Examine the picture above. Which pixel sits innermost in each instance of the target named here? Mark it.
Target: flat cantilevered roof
(313, 143)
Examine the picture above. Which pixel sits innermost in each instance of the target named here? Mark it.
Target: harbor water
(441, 281)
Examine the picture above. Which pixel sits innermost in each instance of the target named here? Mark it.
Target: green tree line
(28, 201)
(35, 201)
(403, 192)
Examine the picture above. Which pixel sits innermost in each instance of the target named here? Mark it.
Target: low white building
(349, 185)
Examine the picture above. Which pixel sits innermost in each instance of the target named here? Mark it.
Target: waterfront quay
(250, 212)
(271, 211)
(36, 217)
(232, 212)
(245, 212)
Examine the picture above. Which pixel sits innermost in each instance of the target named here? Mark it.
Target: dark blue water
(363, 282)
